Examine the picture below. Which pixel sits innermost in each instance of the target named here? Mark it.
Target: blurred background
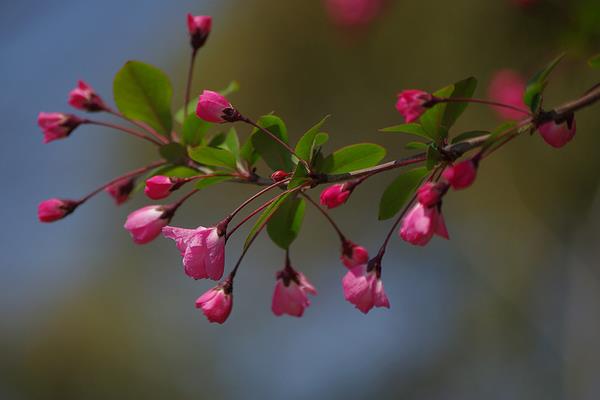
(508, 309)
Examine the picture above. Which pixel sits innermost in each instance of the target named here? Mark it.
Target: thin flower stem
(158, 136)
(254, 196)
(253, 213)
(481, 101)
(188, 86)
(326, 215)
(123, 129)
(178, 204)
(130, 174)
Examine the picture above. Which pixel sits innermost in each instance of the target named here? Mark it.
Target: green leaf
(191, 106)
(173, 153)
(464, 88)
(321, 139)
(400, 191)
(213, 156)
(143, 93)
(285, 224)
(232, 142)
(248, 153)
(433, 119)
(594, 61)
(468, 135)
(264, 217)
(275, 155)
(411, 129)
(206, 182)
(194, 130)
(352, 158)
(433, 157)
(536, 85)
(306, 145)
(416, 146)
(299, 177)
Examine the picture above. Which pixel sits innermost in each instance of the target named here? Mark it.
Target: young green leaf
(143, 93)
(306, 144)
(462, 89)
(194, 130)
(410, 129)
(206, 182)
(536, 85)
(433, 157)
(285, 224)
(264, 217)
(352, 158)
(400, 191)
(248, 153)
(433, 119)
(173, 153)
(213, 156)
(230, 89)
(416, 146)
(275, 155)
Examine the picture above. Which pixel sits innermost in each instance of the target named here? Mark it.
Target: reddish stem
(481, 101)
(161, 139)
(123, 129)
(326, 215)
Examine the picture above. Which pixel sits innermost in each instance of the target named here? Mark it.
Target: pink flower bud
(213, 107)
(57, 125)
(557, 135)
(54, 209)
(507, 87)
(202, 249)
(158, 187)
(291, 293)
(121, 190)
(146, 223)
(353, 254)
(216, 303)
(335, 195)
(430, 193)
(353, 13)
(421, 223)
(461, 175)
(279, 175)
(83, 97)
(411, 104)
(364, 289)
(199, 28)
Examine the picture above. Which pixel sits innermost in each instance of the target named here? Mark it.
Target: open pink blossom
(507, 87)
(421, 223)
(411, 104)
(335, 195)
(216, 303)
(202, 249)
(158, 187)
(121, 190)
(364, 289)
(198, 27)
(213, 107)
(461, 175)
(54, 209)
(145, 224)
(291, 293)
(430, 193)
(353, 13)
(558, 135)
(83, 97)
(353, 254)
(57, 125)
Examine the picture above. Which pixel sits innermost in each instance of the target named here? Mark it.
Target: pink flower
(364, 288)
(146, 223)
(279, 175)
(335, 195)
(430, 194)
(353, 254)
(291, 293)
(213, 107)
(202, 249)
(57, 125)
(421, 223)
(557, 135)
(411, 104)
(121, 190)
(507, 87)
(217, 302)
(461, 175)
(158, 187)
(352, 13)
(54, 209)
(199, 28)
(83, 97)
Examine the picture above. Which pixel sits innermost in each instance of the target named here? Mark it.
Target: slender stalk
(178, 204)
(254, 196)
(481, 101)
(326, 215)
(158, 136)
(123, 129)
(253, 213)
(188, 86)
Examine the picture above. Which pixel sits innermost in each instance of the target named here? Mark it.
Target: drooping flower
(145, 224)
(83, 97)
(461, 175)
(158, 187)
(353, 254)
(121, 190)
(430, 193)
(558, 134)
(202, 249)
(217, 302)
(336, 195)
(421, 223)
(57, 125)
(364, 288)
(54, 209)
(199, 29)
(411, 104)
(213, 107)
(353, 13)
(507, 87)
(291, 293)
